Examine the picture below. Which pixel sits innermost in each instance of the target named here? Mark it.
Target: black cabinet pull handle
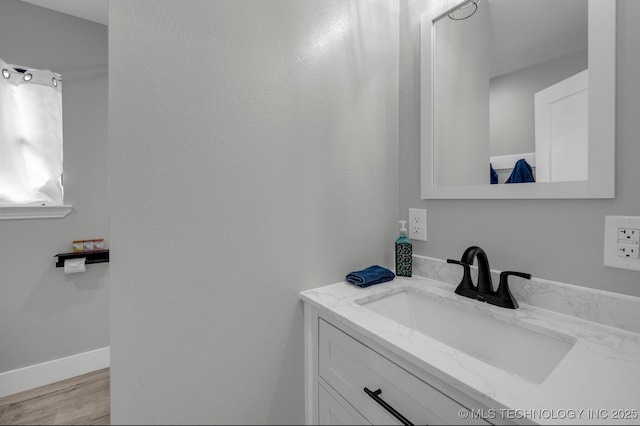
(375, 396)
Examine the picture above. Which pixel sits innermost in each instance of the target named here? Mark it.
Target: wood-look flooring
(81, 400)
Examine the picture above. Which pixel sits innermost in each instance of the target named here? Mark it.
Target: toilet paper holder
(92, 257)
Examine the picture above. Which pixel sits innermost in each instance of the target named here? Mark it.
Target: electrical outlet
(417, 224)
(629, 235)
(628, 250)
(622, 242)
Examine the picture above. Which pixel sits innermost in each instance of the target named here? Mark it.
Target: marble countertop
(598, 381)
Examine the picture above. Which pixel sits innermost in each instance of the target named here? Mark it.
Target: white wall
(253, 154)
(45, 315)
(553, 239)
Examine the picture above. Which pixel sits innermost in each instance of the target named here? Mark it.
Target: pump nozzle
(403, 228)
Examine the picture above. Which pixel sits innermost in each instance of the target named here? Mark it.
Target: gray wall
(461, 99)
(253, 154)
(512, 103)
(44, 314)
(554, 239)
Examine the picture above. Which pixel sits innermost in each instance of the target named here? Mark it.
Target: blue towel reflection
(494, 175)
(522, 173)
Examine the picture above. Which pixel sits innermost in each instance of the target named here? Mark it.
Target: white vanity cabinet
(334, 410)
(360, 357)
(348, 382)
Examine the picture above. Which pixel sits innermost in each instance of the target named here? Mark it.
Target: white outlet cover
(417, 224)
(611, 226)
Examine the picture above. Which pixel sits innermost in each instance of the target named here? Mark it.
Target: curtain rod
(22, 71)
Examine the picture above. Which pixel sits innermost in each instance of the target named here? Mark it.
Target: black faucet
(484, 290)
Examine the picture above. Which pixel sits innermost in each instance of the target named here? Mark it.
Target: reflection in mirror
(510, 83)
(493, 95)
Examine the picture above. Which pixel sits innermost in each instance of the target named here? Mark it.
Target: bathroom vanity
(412, 351)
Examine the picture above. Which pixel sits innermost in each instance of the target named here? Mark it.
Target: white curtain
(30, 136)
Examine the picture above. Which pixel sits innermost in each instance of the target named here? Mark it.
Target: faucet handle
(466, 287)
(466, 266)
(505, 274)
(503, 293)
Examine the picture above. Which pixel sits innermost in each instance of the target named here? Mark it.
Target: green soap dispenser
(404, 252)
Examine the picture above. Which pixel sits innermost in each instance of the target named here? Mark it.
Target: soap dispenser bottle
(404, 252)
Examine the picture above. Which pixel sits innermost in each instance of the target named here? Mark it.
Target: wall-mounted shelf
(92, 257)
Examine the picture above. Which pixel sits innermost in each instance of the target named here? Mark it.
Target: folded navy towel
(522, 172)
(494, 177)
(372, 275)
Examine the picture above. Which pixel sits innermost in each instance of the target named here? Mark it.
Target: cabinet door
(334, 412)
(355, 371)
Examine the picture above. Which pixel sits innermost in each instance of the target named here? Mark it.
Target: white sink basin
(518, 348)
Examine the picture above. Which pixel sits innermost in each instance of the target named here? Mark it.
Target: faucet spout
(484, 286)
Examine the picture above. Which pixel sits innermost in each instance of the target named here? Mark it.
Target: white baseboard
(26, 378)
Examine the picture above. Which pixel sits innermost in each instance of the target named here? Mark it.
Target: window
(30, 137)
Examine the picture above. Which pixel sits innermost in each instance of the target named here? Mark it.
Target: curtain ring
(54, 82)
(28, 77)
(6, 73)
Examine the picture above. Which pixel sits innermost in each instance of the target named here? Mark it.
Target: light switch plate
(621, 243)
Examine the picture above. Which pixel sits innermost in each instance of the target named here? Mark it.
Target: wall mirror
(510, 80)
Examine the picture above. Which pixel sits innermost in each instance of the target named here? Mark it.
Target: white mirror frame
(602, 56)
